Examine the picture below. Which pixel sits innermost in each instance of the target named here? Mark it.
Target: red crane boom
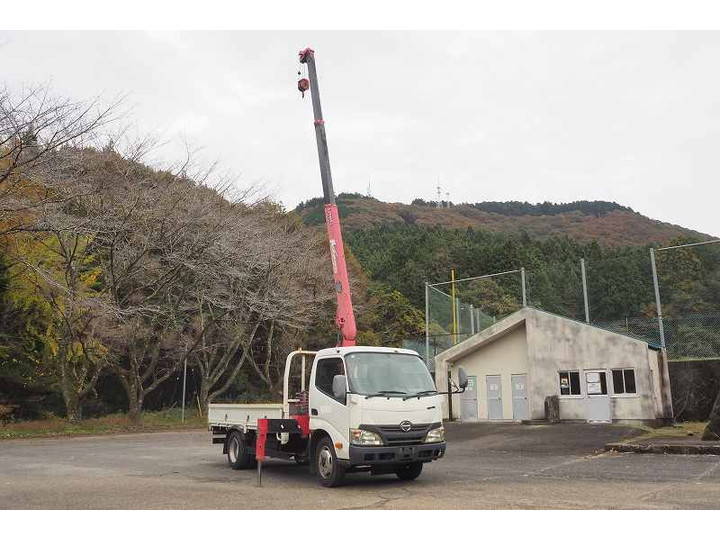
(344, 316)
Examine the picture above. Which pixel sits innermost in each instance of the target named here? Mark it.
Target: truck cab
(372, 409)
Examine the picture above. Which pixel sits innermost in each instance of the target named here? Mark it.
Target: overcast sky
(631, 117)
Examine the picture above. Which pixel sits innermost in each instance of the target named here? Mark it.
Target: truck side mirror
(462, 378)
(339, 387)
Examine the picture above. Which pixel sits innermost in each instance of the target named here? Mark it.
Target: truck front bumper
(389, 455)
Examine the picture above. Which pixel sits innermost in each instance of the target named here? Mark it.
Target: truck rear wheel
(410, 471)
(238, 453)
(329, 471)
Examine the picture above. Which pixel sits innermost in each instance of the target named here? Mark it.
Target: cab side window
(326, 370)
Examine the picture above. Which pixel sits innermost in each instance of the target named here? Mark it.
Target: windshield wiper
(421, 394)
(384, 393)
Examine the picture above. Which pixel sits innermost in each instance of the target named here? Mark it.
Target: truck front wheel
(330, 472)
(409, 472)
(238, 453)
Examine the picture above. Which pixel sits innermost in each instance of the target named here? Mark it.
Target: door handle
(313, 412)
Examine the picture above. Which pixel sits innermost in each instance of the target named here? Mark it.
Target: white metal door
(521, 410)
(597, 400)
(494, 397)
(469, 402)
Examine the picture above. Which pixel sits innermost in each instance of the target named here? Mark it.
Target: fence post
(472, 319)
(522, 279)
(657, 298)
(585, 293)
(453, 305)
(427, 324)
(449, 395)
(458, 318)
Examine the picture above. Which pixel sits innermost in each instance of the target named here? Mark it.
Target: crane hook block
(303, 86)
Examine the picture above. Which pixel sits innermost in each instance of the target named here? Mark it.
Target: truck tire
(410, 471)
(238, 453)
(329, 471)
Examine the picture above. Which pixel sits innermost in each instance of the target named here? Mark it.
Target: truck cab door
(326, 411)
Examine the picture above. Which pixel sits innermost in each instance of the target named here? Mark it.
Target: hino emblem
(405, 425)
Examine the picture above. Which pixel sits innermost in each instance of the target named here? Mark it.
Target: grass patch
(168, 419)
(683, 430)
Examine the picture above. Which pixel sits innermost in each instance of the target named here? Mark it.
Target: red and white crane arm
(344, 316)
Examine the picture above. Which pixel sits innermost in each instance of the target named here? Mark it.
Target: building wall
(505, 357)
(558, 344)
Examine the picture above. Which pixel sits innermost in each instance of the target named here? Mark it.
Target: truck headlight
(435, 435)
(365, 438)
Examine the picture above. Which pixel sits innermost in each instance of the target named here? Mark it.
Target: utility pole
(585, 292)
(184, 386)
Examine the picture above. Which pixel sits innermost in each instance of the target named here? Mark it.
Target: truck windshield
(392, 373)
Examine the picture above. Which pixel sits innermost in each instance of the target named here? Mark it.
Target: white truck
(370, 409)
(361, 408)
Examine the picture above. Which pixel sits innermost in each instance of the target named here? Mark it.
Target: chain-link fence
(618, 294)
(456, 310)
(557, 289)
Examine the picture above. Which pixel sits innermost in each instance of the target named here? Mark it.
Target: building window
(623, 381)
(569, 383)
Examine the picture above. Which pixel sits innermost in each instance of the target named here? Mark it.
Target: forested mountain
(404, 246)
(607, 223)
(404, 257)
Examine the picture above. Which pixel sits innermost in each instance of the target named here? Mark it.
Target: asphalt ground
(488, 466)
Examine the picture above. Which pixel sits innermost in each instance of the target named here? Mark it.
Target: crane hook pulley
(303, 86)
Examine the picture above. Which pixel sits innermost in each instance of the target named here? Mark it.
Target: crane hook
(303, 86)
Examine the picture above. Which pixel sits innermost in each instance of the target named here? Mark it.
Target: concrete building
(598, 375)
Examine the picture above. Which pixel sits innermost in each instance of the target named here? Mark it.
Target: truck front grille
(393, 435)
